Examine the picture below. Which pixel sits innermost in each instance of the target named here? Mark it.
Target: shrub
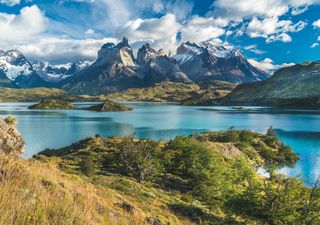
(87, 165)
(11, 120)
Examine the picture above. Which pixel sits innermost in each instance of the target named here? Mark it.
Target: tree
(278, 201)
(140, 158)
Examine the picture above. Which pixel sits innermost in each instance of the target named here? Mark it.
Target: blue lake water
(51, 129)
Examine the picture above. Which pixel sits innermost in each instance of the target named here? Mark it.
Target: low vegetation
(34, 95)
(163, 92)
(52, 105)
(186, 94)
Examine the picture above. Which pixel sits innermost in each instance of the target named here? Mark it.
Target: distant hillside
(36, 94)
(296, 85)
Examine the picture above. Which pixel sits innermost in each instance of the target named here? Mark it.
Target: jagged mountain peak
(13, 64)
(121, 53)
(124, 43)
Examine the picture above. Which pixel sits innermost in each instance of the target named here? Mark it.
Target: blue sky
(271, 33)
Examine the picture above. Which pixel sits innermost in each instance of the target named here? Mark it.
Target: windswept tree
(139, 158)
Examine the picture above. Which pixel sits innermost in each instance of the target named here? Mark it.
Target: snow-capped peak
(59, 72)
(13, 63)
(217, 50)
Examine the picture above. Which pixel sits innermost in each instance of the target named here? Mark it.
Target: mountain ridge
(117, 69)
(296, 85)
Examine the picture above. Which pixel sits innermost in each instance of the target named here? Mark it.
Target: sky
(271, 33)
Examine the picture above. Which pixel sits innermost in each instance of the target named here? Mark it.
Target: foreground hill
(296, 85)
(203, 179)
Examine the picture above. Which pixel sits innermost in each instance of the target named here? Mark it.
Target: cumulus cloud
(316, 23)
(62, 49)
(200, 29)
(239, 9)
(268, 65)
(10, 2)
(161, 32)
(281, 37)
(273, 29)
(28, 23)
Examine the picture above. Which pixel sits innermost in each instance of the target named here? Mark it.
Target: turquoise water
(51, 129)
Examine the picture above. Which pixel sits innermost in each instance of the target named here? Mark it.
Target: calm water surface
(51, 129)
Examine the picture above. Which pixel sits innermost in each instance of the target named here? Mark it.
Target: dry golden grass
(34, 192)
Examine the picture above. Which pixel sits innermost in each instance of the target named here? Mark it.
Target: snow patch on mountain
(14, 64)
(57, 73)
(189, 49)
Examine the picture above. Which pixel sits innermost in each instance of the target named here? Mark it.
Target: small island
(109, 106)
(52, 105)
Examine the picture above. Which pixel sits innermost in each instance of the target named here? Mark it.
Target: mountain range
(116, 68)
(17, 71)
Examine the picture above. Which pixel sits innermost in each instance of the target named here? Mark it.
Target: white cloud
(281, 37)
(200, 29)
(239, 9)
(273, 29)
(268, 65)
(10, 2)
(62, 49)
(318, 38)
(89, 32)
(30, 22)
(254, 49)
(314, 45)
(316, 23)
(161, 32)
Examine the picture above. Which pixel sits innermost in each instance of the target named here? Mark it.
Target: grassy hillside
(201, 179)
(297, 85)
(186, 94)
(166, 91)
(33, 94)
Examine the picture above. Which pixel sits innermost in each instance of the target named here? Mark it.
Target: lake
(161, 121)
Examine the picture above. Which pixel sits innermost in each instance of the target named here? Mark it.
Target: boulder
(11, 140)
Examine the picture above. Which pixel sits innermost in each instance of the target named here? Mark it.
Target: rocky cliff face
(208, 61)
(114, 70)
(296, 85)
(11, 140)
(117, 69)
